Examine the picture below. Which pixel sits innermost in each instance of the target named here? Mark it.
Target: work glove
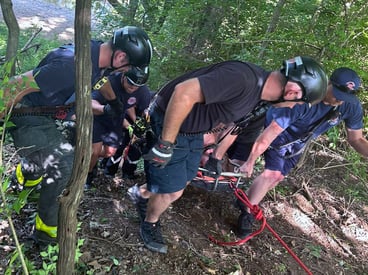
(113, 108)
(160, 154)
(213, 167)
(130, 131)
(140, 126)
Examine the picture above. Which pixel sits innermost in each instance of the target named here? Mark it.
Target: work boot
(245, 222)
(43, 239)
(139, 202)
(90, 177)
(152, 237)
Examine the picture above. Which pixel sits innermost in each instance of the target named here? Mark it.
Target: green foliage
(48, 258)
(29, 59)
(14, 263)
(191, 35)
(314, 250)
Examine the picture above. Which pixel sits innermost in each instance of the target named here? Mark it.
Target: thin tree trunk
(272, 26)
(70, 199)
(13, 31)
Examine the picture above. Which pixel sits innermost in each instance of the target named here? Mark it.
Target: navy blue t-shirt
(55, 75)
(300, 120)
(140, 97)
(231, 90)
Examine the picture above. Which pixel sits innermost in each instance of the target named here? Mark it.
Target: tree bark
(272, 26)
(13, 31)
(70, 199)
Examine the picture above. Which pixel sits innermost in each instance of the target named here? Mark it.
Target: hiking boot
(90, 177)
(139, 202)
(245, 222)
(241, 205)
(42, 239)
(88, 185)
(152, 238)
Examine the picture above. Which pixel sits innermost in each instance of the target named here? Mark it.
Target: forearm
(361, 146)
(175, 114)
(126, 123)
(184, 97)
(358, 141)
(18, 87)
(224, 145)
(97, 108)
(264, 141)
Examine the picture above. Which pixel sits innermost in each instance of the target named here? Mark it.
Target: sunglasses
(132, 83)
(137, 76)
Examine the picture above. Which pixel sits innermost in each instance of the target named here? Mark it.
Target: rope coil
(257, 212)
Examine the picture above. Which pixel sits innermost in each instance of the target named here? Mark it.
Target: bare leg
(158, 203)
(262, 184)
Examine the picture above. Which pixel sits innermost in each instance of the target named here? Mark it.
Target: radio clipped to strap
(258, 112)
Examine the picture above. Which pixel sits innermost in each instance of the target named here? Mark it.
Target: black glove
(214, 167)
(113, 107)
(107, 110)
(160, 154)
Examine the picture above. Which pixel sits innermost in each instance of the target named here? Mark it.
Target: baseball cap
(346, 84)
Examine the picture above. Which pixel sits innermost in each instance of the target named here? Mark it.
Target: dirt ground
(311, 212)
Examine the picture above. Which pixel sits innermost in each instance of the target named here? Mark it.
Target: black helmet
(137, 76)
(309, 74)
(135, 42)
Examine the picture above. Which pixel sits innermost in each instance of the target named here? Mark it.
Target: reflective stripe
(114, 161)
(49, 230)
(22, 180)
(161, 154)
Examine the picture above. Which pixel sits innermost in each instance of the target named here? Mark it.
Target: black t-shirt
(231, 90)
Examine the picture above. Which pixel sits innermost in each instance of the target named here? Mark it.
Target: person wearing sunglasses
(288, 132)
(129, 87)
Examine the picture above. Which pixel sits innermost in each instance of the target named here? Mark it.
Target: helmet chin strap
(114, 69)
(112, 60)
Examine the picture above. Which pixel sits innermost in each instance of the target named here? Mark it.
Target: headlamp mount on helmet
(309, 74)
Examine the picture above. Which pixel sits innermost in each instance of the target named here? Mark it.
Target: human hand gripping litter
(113, 107)
(246, 168)
(213, 167)
(160, 154)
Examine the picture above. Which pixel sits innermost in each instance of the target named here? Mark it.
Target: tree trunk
(13, 31)
(272, 26)
(70, 199)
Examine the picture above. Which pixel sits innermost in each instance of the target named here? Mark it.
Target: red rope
(256, 211)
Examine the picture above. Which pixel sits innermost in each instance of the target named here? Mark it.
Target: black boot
(245, 222)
